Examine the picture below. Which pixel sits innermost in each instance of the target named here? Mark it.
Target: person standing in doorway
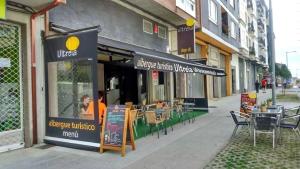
(101, 106)
(257, 86)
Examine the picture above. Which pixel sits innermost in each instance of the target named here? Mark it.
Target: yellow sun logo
(252, 95)
(72, 43)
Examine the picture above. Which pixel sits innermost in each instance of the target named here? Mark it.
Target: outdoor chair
(264, 124)
(238, 123)
(129, 105)
(167, 117)
(293, 126)
(291, 111)
(152, 120)
(141, 111)
(133, 120)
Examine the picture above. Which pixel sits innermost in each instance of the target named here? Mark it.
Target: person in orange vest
(88, 107)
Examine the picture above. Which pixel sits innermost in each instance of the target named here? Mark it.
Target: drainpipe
(33, 63)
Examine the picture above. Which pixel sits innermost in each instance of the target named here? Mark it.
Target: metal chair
(238, 123)
(293, 126)
(264, 124)
(291, 110)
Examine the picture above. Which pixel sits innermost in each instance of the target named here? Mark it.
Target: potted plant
(263, 107)
(270, 102)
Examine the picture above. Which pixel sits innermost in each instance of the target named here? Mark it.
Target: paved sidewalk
(188, 146)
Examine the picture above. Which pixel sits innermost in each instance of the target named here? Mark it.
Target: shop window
(147, 26)
(162, 32)
(70, 89)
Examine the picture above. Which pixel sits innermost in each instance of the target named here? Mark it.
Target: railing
(261, 25)
(262, 58)
(252, 50)
(251, 28)
(262, 42)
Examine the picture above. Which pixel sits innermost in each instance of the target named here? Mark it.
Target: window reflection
(70, 89)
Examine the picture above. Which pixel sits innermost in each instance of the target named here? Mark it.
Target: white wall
(235, 63)
(40, 80)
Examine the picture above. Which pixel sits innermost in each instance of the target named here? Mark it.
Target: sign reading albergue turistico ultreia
(147, 63)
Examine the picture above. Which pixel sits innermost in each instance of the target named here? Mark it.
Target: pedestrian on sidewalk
(264, 84)
(257, 86)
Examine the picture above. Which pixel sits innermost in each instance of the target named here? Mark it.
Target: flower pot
(270, 103)
(263, 108)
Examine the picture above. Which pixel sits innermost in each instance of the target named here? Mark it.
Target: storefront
(120, 70)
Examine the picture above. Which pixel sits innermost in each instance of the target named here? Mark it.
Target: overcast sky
(286, 18)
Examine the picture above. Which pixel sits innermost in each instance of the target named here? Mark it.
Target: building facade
(21, 74)
(218, 35)
(229, 35)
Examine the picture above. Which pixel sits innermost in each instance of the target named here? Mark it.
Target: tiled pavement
(240, 152)
(189, 146)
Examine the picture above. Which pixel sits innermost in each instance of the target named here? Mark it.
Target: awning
(147, 59)
(173, 64)
(150, 59)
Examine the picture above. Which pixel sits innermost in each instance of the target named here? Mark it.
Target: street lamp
(286, 55)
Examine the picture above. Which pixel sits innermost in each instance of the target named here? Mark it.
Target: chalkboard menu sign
(114, 126)
(116, 129)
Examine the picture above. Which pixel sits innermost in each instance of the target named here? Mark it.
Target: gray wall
(117, 22)
(217, 29)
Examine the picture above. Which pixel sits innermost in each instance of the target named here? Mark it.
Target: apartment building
(219, 34)
(262, 22)
(247, 60)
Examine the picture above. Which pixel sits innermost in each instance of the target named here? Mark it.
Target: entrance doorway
(11, 91)
(120, 84)
(233, 77)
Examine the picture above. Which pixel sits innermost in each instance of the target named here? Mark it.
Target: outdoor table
(277, 112)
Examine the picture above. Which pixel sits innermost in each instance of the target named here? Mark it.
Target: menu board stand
(116, 124)
(248, 101)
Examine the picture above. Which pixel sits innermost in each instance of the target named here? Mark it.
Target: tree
(285, 72)
(282, 71)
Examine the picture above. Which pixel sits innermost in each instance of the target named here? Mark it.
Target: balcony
(261, 26)
(36, 5)
(163, 9)
(262, 58)
(262, 43)
(251, 29)
(252, 51)
(260, 11)
(250, 7)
